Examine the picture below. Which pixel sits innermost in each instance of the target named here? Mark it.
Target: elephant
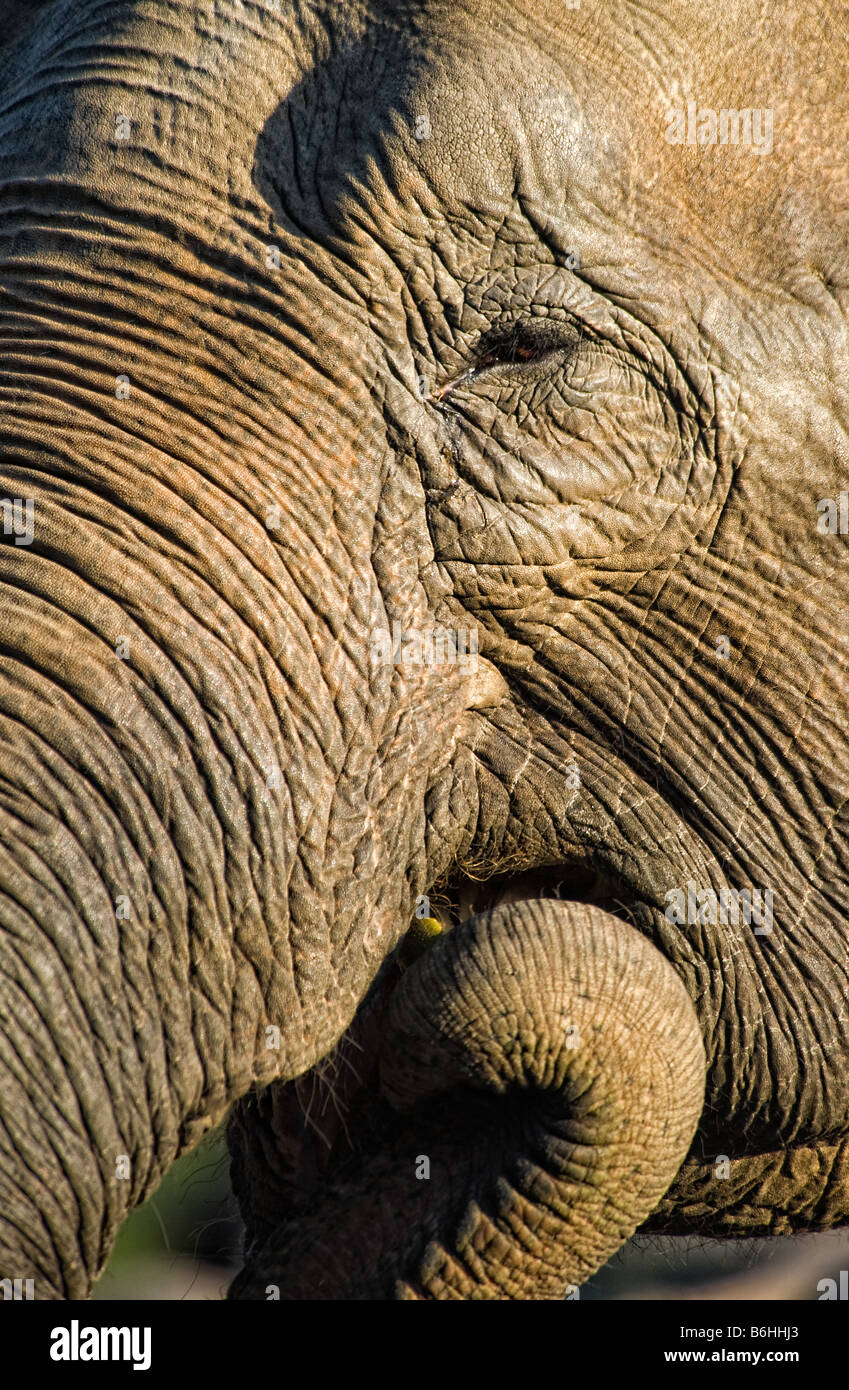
(423, 599)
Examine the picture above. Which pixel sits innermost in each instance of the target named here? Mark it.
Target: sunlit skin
(421, 638)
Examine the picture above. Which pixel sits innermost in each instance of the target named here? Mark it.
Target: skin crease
(513, 364)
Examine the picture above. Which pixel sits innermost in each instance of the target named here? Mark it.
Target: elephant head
(423, 435)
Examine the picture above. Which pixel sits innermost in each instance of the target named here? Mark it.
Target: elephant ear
(542, 1075)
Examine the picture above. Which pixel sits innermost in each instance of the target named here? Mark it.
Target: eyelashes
(522, 352)
(521, 345)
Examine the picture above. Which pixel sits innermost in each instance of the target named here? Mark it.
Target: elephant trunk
(544, 1074)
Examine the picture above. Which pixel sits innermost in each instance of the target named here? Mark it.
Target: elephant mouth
(399, 1081)
(464, 896)
(314, 1111)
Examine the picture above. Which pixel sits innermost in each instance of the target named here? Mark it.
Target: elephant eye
(523, 351)
(520, 343)
(518, 354)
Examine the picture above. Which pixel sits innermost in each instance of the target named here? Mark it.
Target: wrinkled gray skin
(518, 365)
